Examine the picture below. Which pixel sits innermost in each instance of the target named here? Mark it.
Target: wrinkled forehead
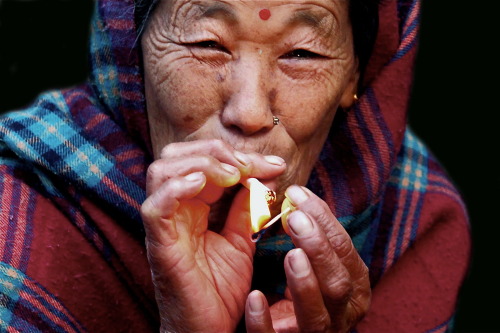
(318, 14)
(258, 3)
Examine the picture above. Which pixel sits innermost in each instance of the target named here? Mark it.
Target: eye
(302, 54)
(209, 44)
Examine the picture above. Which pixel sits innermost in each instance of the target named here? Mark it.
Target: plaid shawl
(91, 143)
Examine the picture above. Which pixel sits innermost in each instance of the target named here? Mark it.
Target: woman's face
(223, 68)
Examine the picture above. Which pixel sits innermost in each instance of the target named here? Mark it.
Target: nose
(248, 106)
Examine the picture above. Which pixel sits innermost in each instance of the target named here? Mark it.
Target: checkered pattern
(54, 142)
(23, 298)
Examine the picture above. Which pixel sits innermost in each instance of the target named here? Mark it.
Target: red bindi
(265, 14)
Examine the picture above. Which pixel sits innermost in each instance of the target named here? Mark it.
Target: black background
(454, 109)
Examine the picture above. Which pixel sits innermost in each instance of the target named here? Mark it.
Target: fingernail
(256, 303)
(296, 195)
(242, 158)
(193, 177)
(299, 223)
(275, 160)
(299, 263)
(229, 168)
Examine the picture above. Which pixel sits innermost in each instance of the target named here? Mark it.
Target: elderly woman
(122, 204)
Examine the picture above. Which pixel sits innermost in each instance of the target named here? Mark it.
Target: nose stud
(276, 120)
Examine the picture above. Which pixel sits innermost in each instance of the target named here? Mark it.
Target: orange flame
(261, 197)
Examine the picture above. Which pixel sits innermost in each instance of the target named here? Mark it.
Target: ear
(347, 99)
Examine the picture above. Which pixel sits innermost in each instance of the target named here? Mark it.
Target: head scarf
(92, 141)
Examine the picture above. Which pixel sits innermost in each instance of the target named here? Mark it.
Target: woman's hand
(201, 278)
(328, 283)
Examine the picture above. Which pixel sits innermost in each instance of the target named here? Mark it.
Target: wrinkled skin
(215, 76)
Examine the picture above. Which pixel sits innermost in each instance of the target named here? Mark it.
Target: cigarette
(270, 195)
(257, 235)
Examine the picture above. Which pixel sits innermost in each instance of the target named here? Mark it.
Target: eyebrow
(310, 19)
(216, 10)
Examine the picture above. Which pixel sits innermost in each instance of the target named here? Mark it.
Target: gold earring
(356, 99)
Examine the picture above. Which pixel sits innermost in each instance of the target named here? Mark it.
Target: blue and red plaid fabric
(21, 296)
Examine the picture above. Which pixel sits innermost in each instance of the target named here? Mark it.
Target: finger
(250, 164)
(341, 243)
(265, 166)
(217, 148)
(334, 279)
(216, 172)
(257, 314)
(305, 200)
(158, 209)
(168, 241)
(310, 311)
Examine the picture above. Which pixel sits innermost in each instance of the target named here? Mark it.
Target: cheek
(186, 101)
(307, 110)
